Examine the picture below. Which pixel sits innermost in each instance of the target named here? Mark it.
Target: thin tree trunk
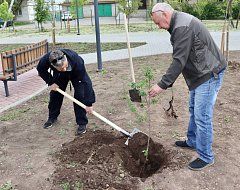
(128, 22)
(68, 25)
(227, 42)
(238, 18)
(229, 5)
(53, 25)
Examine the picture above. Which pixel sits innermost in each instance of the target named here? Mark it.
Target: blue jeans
(200, 128)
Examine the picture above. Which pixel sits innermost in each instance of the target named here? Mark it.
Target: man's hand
(155, 90)
(54, 87)
(89, 110)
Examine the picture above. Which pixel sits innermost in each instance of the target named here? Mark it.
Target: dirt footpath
(34, 158)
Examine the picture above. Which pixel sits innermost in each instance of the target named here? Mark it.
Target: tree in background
(16, 5)
(74, 4)
(5, 14)
(74, 10)
(129, 7)
(41, 13)
(176, 4)
(202, 9)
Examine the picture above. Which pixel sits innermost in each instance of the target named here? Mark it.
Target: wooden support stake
(129, 49)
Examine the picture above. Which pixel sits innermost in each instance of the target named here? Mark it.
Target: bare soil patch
(100, 160)
(234, 65)
(34, 158)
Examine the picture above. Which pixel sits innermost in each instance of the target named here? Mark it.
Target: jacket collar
(172, 22)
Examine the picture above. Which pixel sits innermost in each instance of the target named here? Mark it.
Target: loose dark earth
(99, 159)
(34, 158)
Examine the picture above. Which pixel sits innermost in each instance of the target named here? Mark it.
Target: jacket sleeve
(42, 69)
(86, 81)
(182, 42)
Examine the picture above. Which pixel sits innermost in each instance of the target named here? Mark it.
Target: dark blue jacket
(77, 74)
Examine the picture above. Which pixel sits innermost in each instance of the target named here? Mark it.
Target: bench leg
(6, 88)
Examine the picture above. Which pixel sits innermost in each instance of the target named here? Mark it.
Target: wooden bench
(21, 60)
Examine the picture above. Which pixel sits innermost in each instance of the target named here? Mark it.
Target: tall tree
(129, 7)
(74, 9)
(42, 13)
(16, 5)
(5, 13)
(75, 3)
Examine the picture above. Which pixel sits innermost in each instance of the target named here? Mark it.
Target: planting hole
(100, 159)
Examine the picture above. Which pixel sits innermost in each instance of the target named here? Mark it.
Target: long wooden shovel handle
(95, 113)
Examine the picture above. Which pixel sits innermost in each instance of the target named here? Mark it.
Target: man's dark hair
(56, 58)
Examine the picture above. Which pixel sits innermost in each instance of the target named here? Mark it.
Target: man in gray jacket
(198, 58)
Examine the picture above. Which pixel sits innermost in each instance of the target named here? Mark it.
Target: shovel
(134, 93)
(127, 134)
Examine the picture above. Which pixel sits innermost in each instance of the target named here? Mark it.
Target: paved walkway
(29, 84)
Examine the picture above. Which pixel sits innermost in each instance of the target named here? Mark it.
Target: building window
(20, 12)
(144, 4)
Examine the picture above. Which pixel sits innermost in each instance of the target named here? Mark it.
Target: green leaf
(4, 13)
(154, 101)
(145, 152)
(142, 93)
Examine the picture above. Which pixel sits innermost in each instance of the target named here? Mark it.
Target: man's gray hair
(56, 57)
(162, 6)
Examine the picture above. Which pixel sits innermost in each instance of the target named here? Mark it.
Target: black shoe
(183, 144)
(49, 123)
(199, 164)
(81, 129)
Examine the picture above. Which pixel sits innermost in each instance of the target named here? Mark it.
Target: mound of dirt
(144, 162)
(101, 160)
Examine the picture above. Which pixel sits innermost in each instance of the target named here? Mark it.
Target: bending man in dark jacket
(67, 66)
(198, 58)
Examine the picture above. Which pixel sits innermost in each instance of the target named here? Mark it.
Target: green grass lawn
(7, 47)
(21, 23)
(80, 48)
(148, 26)
(104, 29)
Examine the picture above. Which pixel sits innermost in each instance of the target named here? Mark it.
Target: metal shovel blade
(135, 130)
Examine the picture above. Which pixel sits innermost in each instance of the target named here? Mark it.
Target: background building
(106, 8)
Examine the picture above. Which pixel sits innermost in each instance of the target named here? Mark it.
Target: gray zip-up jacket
(195, 54)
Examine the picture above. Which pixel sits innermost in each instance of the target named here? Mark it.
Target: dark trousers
(56, 99)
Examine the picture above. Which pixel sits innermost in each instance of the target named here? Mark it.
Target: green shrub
(189, 8)
(235, 8)
(214, 10)
(208, 10)
(177, 5)
(205, 9)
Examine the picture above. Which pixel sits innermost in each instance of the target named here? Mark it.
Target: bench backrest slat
(9, 61)
(4, 63)
(26, 57)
